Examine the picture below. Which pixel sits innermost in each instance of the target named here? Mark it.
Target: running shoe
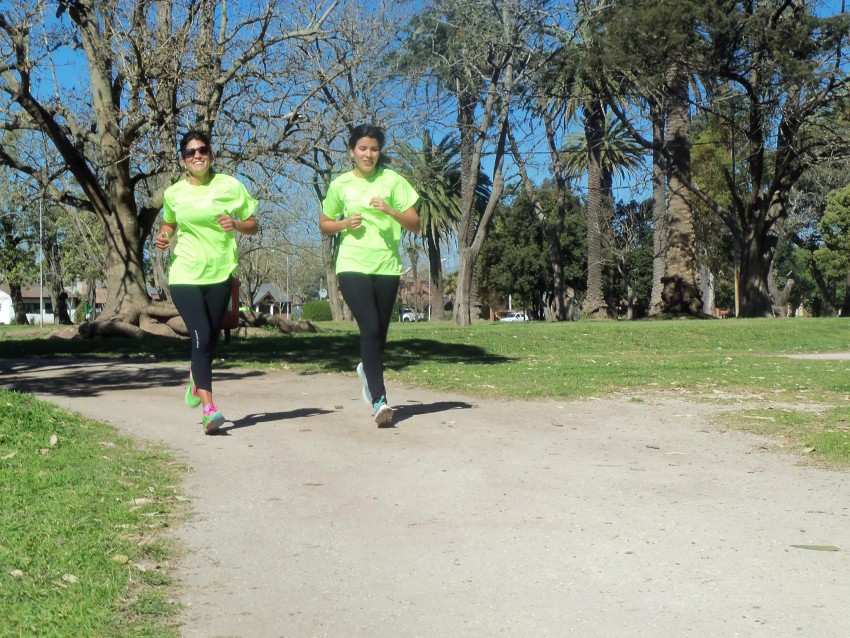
(367, 396)
(192, 398)
(212, 419)
(382, 413)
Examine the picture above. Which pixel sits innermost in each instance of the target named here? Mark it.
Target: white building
(32, 305)
(7, 312)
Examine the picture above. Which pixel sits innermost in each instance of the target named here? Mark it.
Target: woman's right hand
(355, 221)
(162, 240)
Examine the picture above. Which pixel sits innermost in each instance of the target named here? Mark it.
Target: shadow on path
(79, 378)
(270, 417)
(404, 412)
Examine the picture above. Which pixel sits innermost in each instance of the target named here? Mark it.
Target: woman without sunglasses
(204, 209)
(369, 206)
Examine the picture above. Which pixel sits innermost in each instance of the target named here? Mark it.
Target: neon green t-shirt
(204, 253)
(372, 249)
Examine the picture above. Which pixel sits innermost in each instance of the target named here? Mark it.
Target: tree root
(163, 320)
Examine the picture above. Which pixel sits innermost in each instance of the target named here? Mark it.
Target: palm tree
(579, 84)
(605, 151)
(434, 171)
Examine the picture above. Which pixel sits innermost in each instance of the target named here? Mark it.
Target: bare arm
(330, 226)
(245, 226)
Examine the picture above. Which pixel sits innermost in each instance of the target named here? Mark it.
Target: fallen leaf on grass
(818, 548)
(53, 440)
(106, 444)
(70, 578)
(17, 573)
(121, 558)
(808, 450)
(9, 456)
(143, 501)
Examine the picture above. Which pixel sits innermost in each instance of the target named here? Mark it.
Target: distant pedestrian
(204, 210)
(369, 206)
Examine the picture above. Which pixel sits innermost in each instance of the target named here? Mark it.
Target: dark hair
(366, 130)
(203, 136)
(375, 132)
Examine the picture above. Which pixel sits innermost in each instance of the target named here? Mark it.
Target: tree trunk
(435, 283)
(680, 293)
(594, 303)
(160, 278)
(126, 289)
(462, 310)
(659, 210)
(18, 304)
(784, 297)
(473, 225)
(60, 312)
(706, 282)
(330, 274)
(556, 261)
(756, 259)
(53, 280)
(845, 306)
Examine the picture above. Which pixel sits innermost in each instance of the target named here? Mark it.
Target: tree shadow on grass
(119, 359)
(341, 352)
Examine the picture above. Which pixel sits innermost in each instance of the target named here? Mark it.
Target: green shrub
(79, 313)
(317, 311)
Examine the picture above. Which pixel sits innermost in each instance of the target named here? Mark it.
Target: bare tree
(477, 53)
(140, 74)
(358, 84)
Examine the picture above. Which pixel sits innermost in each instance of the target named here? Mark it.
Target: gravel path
(477, 518)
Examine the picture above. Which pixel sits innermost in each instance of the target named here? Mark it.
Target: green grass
(823, 432)
(79, 550)
(68, 517)
(538, 360)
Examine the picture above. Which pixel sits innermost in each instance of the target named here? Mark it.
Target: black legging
(371, 299)
(202, 308)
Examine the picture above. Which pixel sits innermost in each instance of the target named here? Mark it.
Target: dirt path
(476, 518)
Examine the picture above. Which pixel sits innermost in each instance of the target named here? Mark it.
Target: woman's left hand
(227, 224)
(379, 204)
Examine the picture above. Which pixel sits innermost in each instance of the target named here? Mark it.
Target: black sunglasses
(190, 152)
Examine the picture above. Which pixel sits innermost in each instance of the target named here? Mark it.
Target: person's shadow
(402, 413)
(405, 412)
(270, 417)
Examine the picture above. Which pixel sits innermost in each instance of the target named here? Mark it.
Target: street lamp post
(41, 265)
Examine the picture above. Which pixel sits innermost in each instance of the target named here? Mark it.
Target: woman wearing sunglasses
(204, 210)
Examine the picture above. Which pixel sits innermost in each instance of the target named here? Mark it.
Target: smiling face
(197, 158)
(365, 153)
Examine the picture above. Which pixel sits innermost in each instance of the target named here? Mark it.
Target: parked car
(515, 316)
(410, 315)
